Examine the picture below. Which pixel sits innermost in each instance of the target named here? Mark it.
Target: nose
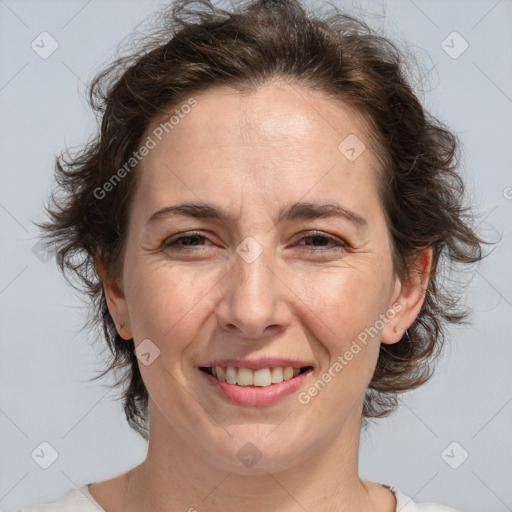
(254, 303)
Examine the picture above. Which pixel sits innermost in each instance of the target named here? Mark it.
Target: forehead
(275, 113)
(278, 138)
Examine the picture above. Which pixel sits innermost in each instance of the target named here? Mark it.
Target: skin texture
(251, 154)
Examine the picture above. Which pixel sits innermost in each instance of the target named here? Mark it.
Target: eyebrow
(290, 212)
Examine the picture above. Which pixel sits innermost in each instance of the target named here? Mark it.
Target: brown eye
(182, 242)
(320, 239)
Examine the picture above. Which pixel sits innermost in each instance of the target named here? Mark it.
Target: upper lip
(256, 364)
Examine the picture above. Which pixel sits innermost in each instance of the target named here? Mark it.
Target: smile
(262, 377)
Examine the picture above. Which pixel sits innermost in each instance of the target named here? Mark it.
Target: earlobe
(410, 297)
(116, 302)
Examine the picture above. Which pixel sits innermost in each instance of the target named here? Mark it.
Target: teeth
(244, 377)
(262, 378)
(288, 373)
(231, 375)
(277, 375)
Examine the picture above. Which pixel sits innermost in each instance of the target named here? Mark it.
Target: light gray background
(46, 362)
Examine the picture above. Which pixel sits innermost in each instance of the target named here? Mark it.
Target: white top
(80, 500)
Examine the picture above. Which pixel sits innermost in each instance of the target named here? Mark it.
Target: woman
(261, 225)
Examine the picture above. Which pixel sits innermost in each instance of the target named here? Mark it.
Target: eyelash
(339, 244)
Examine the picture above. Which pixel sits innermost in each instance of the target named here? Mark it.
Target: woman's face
(269, 286)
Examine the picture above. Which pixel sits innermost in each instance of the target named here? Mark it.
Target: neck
(174, 476)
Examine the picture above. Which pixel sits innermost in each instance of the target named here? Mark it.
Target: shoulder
(407, 504)
(75, 500)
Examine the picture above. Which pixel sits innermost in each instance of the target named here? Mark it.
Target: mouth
(260, 378)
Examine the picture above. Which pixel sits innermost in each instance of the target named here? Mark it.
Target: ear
(408, 297)
(116, 301)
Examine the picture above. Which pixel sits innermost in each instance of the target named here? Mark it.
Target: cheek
(345, 307)
(347, 300)
(341, 306)
(166, 302)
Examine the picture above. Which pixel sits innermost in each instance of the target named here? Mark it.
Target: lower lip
(255, 396)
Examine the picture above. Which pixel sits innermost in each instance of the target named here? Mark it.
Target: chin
(256, 450)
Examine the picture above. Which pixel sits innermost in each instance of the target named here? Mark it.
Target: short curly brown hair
(197, 45)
